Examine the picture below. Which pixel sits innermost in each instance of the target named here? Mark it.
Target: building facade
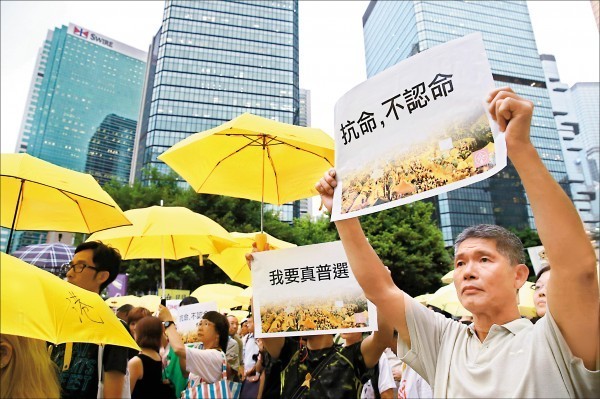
(212, 61)
(395, 30)
(576, 114)
(81, 78)
(82, 82)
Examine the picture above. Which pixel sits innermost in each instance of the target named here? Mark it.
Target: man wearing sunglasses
(94, 266)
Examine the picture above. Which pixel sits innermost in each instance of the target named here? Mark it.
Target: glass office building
(82, 78)
(395, 30)
(110, 149)
(82, 82)
(212, 61)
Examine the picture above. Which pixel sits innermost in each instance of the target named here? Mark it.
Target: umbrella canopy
(255, 158)
(38, 195)
(233, 261)
(118, 301)
(239, 314)
(526, 305)
(54, 310)
(166, 233)
(448, 277)
(223, 294)
(446, 299)
(422, 299)
(49, 257)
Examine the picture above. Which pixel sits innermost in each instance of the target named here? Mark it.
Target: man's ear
(522, 273)
(102, 276)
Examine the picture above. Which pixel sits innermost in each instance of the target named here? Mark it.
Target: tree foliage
(410, 245)
(406, 238)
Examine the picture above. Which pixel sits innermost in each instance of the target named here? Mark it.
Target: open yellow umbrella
(37, 304)
(38, 195)
(526, 305)
(446, 299)
(255, 158)
(118, 301)
(233, 261)
(223, 294)
(166, 233)
(448, 277)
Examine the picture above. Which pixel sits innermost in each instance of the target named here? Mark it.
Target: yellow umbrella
(239, 314)
(526, 305)
(233, 261)
(166, 233)
(150, 302)
(223, 294)
(448, 277)
(38, 195)
(37, 304)
(255, 158)
(446, 299)
(422, 299)
(118, 301)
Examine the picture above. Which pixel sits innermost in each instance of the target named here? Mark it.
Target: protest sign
(303, 290)
(417, 129)
(538, 257)
(188, 317)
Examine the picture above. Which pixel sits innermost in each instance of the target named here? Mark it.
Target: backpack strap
(309, 376)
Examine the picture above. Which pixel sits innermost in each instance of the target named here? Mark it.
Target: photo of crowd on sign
(307, 290)
(321, 314)
(464, 151)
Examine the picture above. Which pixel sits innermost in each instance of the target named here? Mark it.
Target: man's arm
(371, 274)
(113, 384)
(573, 297)
(373, 346)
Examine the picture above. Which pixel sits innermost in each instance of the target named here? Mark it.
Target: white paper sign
(188, 317)
(306, 291)
(417, 129)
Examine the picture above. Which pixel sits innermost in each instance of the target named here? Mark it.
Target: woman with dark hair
(136, 314)
(145, 369)
(204, 365)
(539, 286)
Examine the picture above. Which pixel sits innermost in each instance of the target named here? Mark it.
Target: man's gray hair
(507, 243)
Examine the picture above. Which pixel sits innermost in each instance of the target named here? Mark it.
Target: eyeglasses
(537, 287)
(78, 267)
(204, 322)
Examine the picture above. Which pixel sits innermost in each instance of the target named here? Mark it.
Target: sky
(331, 45)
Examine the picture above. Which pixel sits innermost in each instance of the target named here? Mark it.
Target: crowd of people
(415, 353)
(426, 167)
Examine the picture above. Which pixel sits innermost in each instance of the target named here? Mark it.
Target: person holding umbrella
(94, 266)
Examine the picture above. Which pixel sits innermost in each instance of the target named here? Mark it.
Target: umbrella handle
(261, 241)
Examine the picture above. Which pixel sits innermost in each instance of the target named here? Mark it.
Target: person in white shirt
(499, 354)
(251, 376)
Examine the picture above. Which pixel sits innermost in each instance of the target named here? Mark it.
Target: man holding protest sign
(322, 369)
(500, 354)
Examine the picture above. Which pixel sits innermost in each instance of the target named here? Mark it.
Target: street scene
(300, 199)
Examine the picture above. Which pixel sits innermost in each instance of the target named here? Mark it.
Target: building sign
(96, 38)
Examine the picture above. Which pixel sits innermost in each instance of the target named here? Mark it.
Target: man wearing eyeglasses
(94, 266)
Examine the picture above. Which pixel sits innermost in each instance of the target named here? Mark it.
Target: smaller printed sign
(188, 318)
(308, 290)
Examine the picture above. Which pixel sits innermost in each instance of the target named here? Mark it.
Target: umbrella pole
(12, 227)
(262, 198)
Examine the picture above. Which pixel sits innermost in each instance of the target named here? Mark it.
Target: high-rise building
(81, 78)
(212, 61)
(395, 30)
(289, 211)
(580, 169)
(586, 103)
(82, 82)
(110, 149)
